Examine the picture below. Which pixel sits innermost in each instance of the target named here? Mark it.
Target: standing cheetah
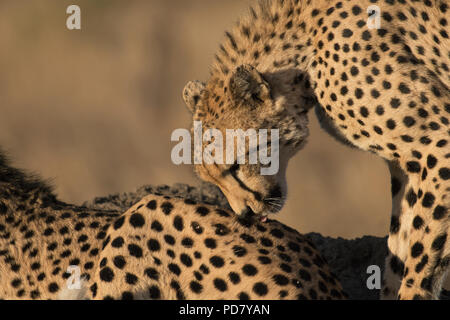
(161, 248)
(382, 90)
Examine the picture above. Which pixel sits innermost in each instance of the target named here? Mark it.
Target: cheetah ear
(247, 86)
(192, 93)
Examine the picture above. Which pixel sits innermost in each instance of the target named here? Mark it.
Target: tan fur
(161, 248)
(237, 247)
(384, 91)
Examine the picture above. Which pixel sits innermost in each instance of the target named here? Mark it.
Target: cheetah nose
(246, 213)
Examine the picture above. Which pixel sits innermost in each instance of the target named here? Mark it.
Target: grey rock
(349, 260)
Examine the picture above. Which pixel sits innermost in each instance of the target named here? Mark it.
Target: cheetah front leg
(428, 258)
(400, 219)
(419, 249)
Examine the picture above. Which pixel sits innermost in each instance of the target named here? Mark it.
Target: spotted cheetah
(161, 248)
(383, 90)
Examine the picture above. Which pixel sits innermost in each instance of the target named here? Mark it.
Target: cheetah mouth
(271, 207)
(249, 215)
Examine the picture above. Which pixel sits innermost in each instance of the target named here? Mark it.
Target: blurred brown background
(94, 109)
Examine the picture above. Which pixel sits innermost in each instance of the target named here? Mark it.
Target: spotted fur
(165, 248)
(161, 248)
(383, 90)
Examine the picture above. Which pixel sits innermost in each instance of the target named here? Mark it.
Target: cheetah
(384, 90)
(161, 248)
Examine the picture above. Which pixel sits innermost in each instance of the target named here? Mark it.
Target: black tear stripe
(233, 172)
(258, 148)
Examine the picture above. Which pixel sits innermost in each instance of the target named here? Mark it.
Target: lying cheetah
(161, 248)
(383, 90)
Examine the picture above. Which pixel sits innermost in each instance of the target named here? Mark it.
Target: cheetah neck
(276, 39)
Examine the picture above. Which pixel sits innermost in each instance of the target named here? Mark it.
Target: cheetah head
(245, 100)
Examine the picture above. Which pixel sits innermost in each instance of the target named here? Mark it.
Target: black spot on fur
(428, 200)
(220, 284)
(151, 205)
(249, 270)
(137, 220)
(439, 212)
(178, 223)
(439, 242)
(413, 166)
(411, 197)
(166, 208)
(134, 250)
(203, 211)
(417, 222)
(210, 243)
(106, 274)
(423, 262)
(153, 245)
(260, 289)
(118, 223)
(444, 173)
(217, 261)
(416, 250)
(154, 292)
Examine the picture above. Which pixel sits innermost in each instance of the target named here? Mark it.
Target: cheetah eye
(256, 97)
